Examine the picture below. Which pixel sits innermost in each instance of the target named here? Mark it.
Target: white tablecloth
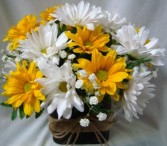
(150, 130)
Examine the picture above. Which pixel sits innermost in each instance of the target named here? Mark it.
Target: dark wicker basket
(84, 137)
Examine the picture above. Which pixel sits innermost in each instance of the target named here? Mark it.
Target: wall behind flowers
(150, 130)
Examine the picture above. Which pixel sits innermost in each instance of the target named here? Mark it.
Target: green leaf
(14, 114)
(21, 113)
(73, 30)
(63, 28)
(110, 42)
(5, 104)
(132, 64)
(11, 56)
(37, 115)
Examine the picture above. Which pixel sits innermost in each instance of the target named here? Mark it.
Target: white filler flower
(137, 94)
(136, 43)
(43, 43)
(59, 86)
(84, 122)
(78, 84)
(93, 100)
(82, 73)
(71, 56)
(82, 14)
(101, 116)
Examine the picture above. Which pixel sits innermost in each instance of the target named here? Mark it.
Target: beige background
(150, 130)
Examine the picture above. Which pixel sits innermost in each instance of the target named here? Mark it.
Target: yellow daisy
(85, 41)
(45, 15)
(18, 32)
(109, 72)
(22, 89)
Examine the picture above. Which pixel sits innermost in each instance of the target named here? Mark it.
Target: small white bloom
(78, 84)
(82, 73)
(71, 56)
(63, 54)
(95, 85)
(84, 122)
(92, 77)
(101, 116)
(93, 100)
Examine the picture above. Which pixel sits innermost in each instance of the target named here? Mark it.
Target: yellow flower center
(147, 41)
(138, 29)
(102, 75)
(88, 43)
(63, 86)
(27, 87)
(44, 51)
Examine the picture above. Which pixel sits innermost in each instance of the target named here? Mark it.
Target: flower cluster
(79, 58)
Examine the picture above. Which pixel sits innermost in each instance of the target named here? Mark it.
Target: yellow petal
(38, 94)
(111, 89)
(116, 68)
(32, 70)
(39, 74)
(82, 63)
(118, 77)
(78, 50)
(14, 98)
(37, 107)
(116, 97)
(28, 109)
(17, 103)
(121, 85)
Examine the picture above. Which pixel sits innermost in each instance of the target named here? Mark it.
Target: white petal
(62, 41)
(90, 26)
(67, 113)
(61, 108)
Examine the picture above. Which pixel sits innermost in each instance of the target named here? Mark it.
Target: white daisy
(59, 86)
(137, 94)
(112, 21)
(44, 42)
(137, 44)
(82, 14)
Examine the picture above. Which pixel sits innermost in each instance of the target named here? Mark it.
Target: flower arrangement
(79, 59)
